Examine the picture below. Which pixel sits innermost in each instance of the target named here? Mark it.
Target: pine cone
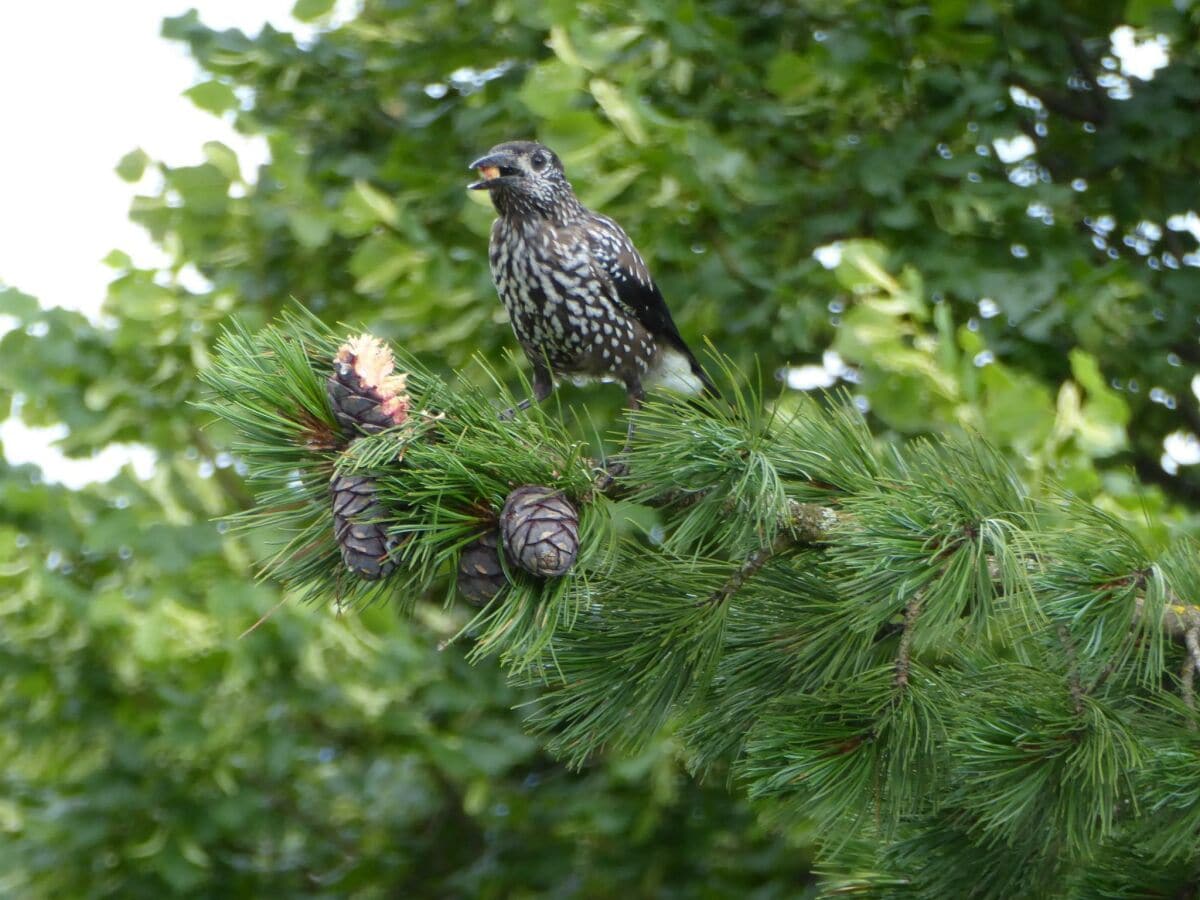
(540, 530)
(366, 547)
(365, 394)
(480, 575)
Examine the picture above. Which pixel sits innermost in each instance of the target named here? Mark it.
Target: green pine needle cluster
(966, 689)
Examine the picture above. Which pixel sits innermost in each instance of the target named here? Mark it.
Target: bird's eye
(539, 160)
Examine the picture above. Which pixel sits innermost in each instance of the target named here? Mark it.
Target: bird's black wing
(614, 254)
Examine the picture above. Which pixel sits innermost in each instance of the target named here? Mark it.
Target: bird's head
(523, 176)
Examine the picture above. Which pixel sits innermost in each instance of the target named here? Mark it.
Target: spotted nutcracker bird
(581, 300)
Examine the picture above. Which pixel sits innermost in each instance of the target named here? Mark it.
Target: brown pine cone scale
(540, 530)
(365, 545)
(480, 574)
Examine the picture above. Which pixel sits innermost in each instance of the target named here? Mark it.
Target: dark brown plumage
(581, 300)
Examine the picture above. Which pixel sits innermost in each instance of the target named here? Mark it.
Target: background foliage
(1047, 303)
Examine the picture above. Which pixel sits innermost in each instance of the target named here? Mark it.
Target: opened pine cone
(480, 574)
(540, 530)
(365, 545)
(365, 393)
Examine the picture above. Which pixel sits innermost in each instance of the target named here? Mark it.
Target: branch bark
(753, 563)
(912, 609)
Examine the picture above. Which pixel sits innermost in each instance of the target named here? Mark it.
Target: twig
(1179, 620)
(1178, 617)
(1192, 639)
(270, 612)
(808, 523)
(753, 563)
(1109, 668)
(1187, 689)
(803, 524)
(904, 655)
(1075, 685)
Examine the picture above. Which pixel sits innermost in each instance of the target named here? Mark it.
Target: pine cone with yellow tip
(366, 394)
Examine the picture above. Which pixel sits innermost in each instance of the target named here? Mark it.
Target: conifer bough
(964, 689)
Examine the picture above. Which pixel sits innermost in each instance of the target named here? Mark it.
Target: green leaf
(1143, 13)
(1017, 410)
(311, 10)
(619, 109)
(118, 259)
(380, 260)
(212, 96)
(379, 203)
(790, 76)
(204, 188)
(18, 304)
(224, 159)
(551, 88)
(137, 298)
(863, 266)
(1106, 403)
(608, 186)
(132, 165)
(182, 26)
(1096, 417)
(310, 227)
(560, 42)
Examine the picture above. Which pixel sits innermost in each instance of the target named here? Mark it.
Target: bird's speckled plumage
(578, 293)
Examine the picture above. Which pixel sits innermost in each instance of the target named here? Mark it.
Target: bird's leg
(543, 385)
(617, 465)
(636, 396)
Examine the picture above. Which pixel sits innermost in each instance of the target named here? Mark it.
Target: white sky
(82, 84)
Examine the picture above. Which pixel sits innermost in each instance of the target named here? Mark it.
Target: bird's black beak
(497, 169)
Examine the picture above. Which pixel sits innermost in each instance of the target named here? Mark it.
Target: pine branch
(870, 636)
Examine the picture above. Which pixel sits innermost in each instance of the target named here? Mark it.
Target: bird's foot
(507, 415)
(618, 466)
(612, 469)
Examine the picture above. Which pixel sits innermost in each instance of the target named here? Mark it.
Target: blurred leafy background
(973, 215)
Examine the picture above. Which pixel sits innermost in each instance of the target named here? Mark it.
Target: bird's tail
(678, 370)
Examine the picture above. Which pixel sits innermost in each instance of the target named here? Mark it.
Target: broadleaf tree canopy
(978, 217)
